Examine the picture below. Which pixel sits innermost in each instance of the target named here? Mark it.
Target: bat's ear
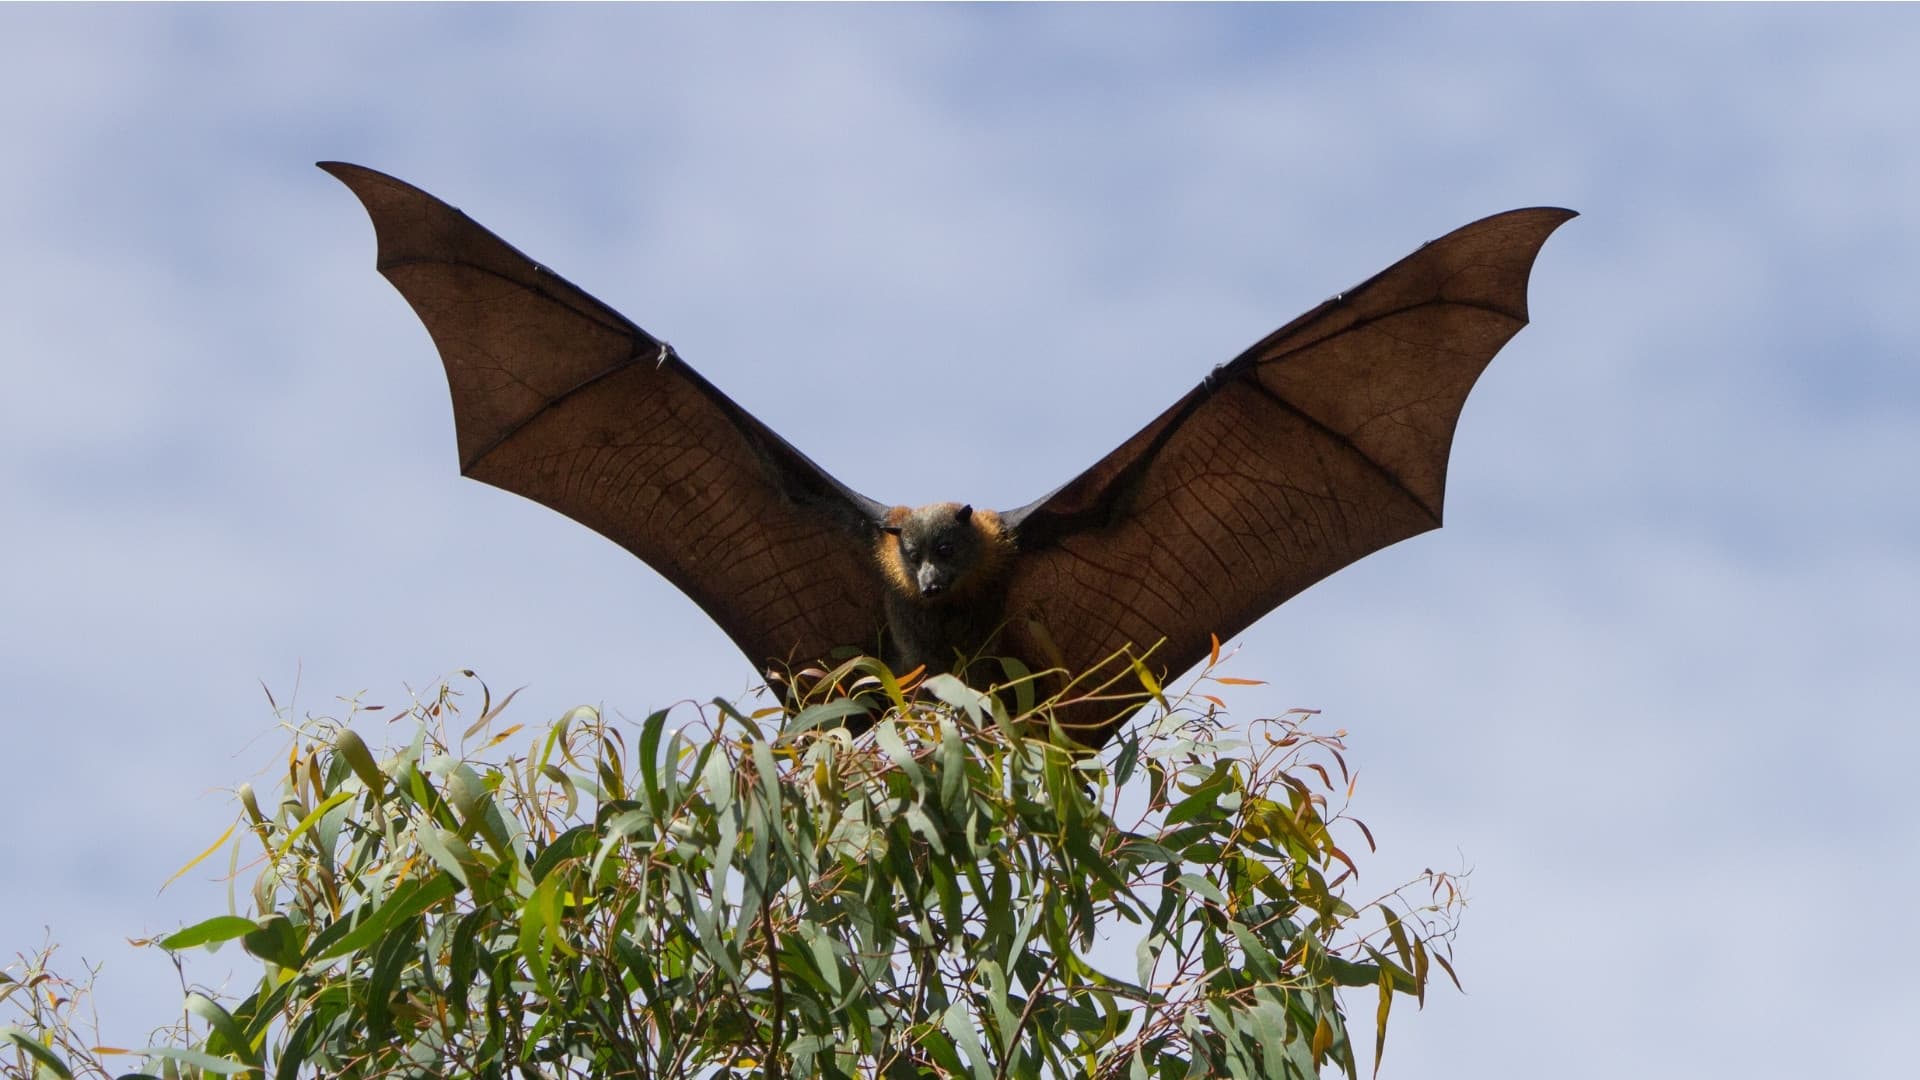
(964, 514)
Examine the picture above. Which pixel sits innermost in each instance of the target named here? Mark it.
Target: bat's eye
(945, 551)
(910, 551)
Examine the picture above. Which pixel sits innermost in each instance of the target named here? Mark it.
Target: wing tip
(1511, 238)
(347, 172)
(363, 181)
(1559, 215)
(1547, 218)
(1562, 211)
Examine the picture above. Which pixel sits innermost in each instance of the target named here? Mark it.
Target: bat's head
(942, 552)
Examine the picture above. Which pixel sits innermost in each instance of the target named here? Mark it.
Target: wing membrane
(561, 399)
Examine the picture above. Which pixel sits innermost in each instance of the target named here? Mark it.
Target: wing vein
(1348, 444)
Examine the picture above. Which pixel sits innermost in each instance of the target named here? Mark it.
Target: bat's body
(945, 568)
(1324, 442)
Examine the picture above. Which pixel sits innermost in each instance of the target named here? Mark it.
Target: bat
(1325, 441)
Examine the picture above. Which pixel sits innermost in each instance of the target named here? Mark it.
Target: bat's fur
(945, 566)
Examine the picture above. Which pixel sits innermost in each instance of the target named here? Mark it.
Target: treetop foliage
(717, 892)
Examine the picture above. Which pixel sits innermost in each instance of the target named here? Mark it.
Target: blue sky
(1654, 683)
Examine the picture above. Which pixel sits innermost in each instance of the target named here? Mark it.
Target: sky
(1653, 684)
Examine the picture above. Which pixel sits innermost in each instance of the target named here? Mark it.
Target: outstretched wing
(1325, 442)
(559, 398)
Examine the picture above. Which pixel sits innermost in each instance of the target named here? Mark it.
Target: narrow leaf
(47, 1059)
(197, 859)
(217, 929)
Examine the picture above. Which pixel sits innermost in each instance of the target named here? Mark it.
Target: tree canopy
(724, 892)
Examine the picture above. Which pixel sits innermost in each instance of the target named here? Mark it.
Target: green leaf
(391, 955)
(1380, 1019)
(944, 1054)
(722, 857)
(463, 960)
(348, 744)
(1347, 973)
(231, 1039)
(47, 1058)
(298, 1047)
(538, 919)
(959, 1024)
(951, 758)
(197, 1059)
(210, 932)
(959, 695)
(1260, 962)
(408, 899)
(1398, 935)
(576, 843)
(717, 777)
(274, 939)
(769, 777)
(649, 761)
(1128, 758)
(1204, 804)
(1020, 677)
(828, 714)
(670, 768)
(1196, 883)
(919, 822)
(624, 827)
(886, 735)
(1005, 1022)
(821, 946)
(312, 818)
(450, 853)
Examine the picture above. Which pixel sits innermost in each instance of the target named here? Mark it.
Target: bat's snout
(931, 581)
